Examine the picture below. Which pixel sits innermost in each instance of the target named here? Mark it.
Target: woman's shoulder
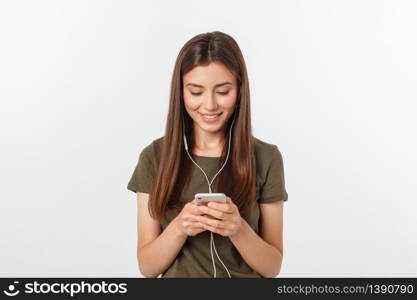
(157, 143)
(264, 149)
(266, 155)
(153, 147)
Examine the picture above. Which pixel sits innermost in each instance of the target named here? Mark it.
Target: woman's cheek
(229, 100)
(190, 103)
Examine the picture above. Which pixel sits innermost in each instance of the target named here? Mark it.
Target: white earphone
(212, 245)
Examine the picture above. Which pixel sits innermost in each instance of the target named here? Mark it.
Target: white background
(84, 86)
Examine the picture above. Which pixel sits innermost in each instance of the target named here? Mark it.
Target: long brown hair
(237, 179)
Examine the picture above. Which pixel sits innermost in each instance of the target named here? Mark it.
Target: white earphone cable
(212, 245)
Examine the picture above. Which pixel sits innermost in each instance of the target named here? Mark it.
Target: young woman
(210, 106)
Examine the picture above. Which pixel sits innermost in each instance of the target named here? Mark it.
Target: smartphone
(202, 198)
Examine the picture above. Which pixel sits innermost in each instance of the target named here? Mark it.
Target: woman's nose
(210, 102)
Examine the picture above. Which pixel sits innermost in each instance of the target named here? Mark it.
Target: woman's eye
(220, 93)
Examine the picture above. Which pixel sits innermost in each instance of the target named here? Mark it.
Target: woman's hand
(186, 221)
(226, 219)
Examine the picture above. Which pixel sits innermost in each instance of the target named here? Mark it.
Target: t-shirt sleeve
(144, 172)
(274, 187)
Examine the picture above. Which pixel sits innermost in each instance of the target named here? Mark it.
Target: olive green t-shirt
(194, 259)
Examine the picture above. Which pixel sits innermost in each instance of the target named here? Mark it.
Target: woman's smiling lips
(210, 118)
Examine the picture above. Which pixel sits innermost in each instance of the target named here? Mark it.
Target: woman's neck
(208, 144)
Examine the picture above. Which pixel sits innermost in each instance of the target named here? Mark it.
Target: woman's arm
(263, 252)
(155, 250)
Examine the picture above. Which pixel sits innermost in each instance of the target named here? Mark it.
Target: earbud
(185, 142)
(185, 138)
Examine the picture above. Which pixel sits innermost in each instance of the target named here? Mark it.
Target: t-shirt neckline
(206, 157)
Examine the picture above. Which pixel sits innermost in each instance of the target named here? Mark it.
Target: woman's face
(210, 93)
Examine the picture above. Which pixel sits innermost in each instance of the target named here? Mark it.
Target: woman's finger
(214, 229)
(212, 222)
(190, 217)
(224, 207)
(213, 212)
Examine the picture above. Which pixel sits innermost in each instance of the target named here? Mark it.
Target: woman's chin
(211, 129)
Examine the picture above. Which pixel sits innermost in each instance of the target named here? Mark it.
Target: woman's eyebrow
(217, 85)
